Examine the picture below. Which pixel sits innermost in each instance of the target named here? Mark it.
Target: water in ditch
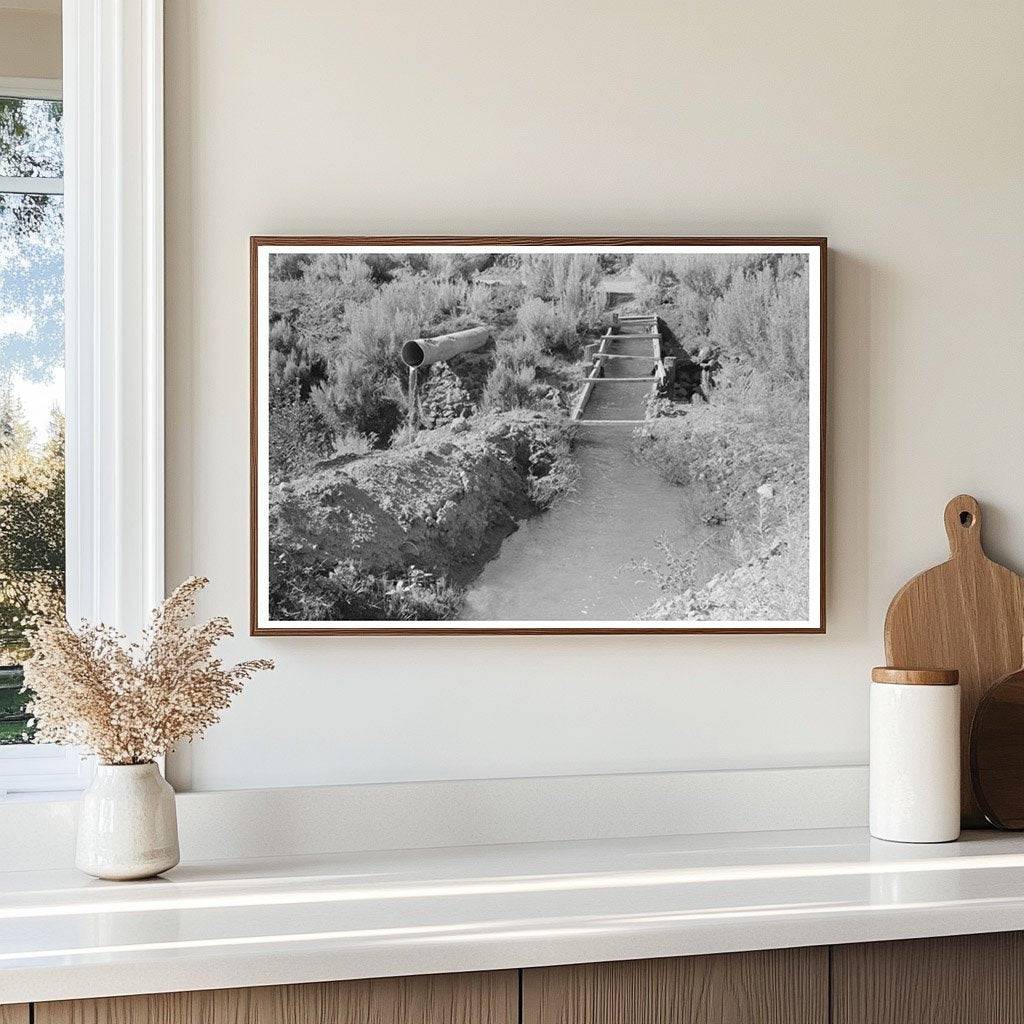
(581, 559)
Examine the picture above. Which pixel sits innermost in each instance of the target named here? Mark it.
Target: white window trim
(113, 169)
(31, 88)
(114, 322)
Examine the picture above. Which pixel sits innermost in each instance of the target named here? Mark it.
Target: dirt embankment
(442, 504)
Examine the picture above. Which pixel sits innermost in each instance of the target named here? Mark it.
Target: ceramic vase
(127, 825)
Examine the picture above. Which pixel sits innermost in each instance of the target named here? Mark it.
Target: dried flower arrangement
(129, 703)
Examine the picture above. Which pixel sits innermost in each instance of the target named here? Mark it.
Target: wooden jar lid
(916, 676)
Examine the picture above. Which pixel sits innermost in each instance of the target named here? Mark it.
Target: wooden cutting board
(967, 614)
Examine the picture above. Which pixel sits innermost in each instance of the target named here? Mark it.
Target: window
(32, 513)
(107, 143)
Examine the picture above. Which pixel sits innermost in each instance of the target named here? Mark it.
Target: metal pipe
(426, 351)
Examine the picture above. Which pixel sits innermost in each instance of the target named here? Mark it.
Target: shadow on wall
(854, 287)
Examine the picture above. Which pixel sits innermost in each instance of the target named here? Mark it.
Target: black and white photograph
(550, 435)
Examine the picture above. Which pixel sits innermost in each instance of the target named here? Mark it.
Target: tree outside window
(31, 386)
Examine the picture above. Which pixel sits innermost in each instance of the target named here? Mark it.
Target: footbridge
(624, 369)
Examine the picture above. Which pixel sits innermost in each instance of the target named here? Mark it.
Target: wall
(895, 129)
(30, 39)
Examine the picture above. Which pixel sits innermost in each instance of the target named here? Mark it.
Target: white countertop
(262, 922)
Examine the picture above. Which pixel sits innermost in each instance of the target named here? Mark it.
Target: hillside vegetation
(371, 518)
(743, 440)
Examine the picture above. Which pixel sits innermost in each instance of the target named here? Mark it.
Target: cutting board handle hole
(966, 519)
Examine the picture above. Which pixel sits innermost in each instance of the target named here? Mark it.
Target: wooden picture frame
(262, 247)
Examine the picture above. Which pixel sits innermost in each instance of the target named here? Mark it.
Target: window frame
(112, 90)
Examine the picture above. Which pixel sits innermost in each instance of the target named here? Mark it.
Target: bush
(509, 388)
(538, 276)
(573, 280)
(451, 296)
(753, 432)
(319, 593)
(555, 328)
(653, 268)
(747, 451)
(770, 586)
(534, 323)
(357, 399)
(363, 389)
(520, 352)
(298, 436)
(761, 319)
(702, 282)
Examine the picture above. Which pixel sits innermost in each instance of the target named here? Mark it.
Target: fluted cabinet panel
(777, 986)
(961, 979)
(490, 998)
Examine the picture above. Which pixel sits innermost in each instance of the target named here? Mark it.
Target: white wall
(895, 129)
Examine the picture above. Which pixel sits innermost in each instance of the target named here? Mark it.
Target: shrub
(360, 399)
(648, 296)
(298, 436)
(787, 325)
(753, 432)
(482, 301)
(573, 280)
(565, 329)
(451, 296)
(319, 593)
(702, 282)
(509, 388)
(350, 444)
(653, 268)
(288, 266)
(538, 276)
(456, 266)
(534, 323)
(363, 388)
(761, 318)
(556, 327)
(747, 452)
(520, 352)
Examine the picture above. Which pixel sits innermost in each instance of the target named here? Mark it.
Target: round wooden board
(997, 752)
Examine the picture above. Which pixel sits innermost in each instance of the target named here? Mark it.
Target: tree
(32, 551)
(31, 145)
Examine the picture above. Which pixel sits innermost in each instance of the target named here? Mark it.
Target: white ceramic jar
(915, 755)
(127, 824)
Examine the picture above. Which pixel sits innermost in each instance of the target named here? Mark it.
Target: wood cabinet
(776, 986)
(963, 979)
(491, 998)
(971, 979)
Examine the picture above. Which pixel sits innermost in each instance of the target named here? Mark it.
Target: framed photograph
(537, 435)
